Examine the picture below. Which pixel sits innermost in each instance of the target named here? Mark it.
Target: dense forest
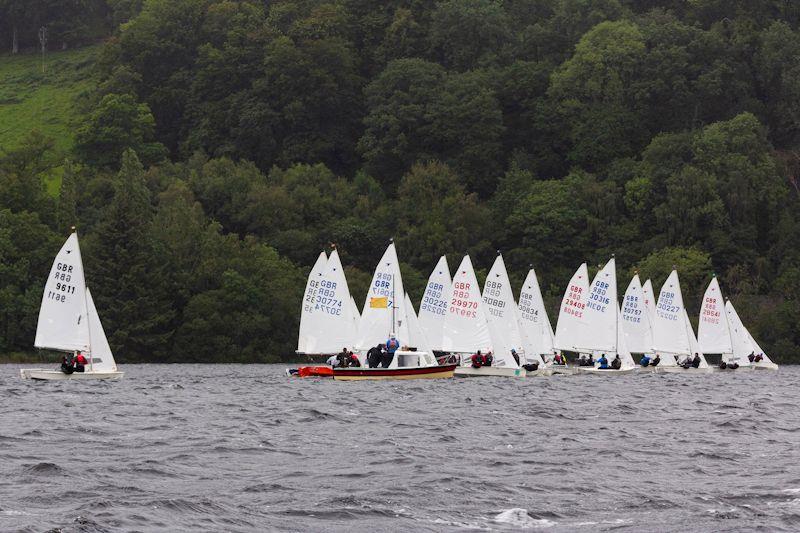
(224, 143)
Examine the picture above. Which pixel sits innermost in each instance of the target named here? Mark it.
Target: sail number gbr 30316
(62, 288)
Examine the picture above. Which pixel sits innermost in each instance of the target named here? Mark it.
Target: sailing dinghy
(635, 320)
(386, 312)
(603, 333)
(537, 333)
(68, 320)
(433, 307)
(672, 333)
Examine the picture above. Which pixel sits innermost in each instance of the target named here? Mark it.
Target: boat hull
(489, 371)
(563, 370)
(765, 366)
(42, 374)
(607, 371)
(742, 368)
(371, 374)
(681, 370)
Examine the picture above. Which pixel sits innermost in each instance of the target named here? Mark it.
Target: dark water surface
(242, 448)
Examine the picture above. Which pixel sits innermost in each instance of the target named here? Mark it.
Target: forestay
(602, 311)
(572, 329)
(534, 325)
(309, 301)
(670, 338)
(63, 324)
(713, 330)
(501, 313)
(433, 307)
(102, 360)
(465, 327)
(635, 319)
(384, 308)
(331, 327)
(740, 337)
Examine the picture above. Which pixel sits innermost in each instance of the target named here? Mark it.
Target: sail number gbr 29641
(62, 287)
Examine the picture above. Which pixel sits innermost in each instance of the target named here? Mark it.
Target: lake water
(243, 448)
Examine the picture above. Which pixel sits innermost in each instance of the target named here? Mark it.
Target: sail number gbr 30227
(62, 287)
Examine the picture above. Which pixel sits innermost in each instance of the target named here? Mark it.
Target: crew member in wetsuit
(616, 364)
(80, 362)
(558, 359)
(645, 360)
(696, 361)
(656, 360)
(590, 361)
(515, 355)
(374, 356)
(477, 359)
(686, 363)
(751, 357)
(759, 358)
(343, 358)
(488, 359)
(353, 360)
(67, 364)
(392, 346)
(603, 362)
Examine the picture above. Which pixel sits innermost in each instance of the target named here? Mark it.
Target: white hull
(742, 368)
(563, 370)
(55, 375)
(489, 371)
(646, 369)
(540, 372)
(595, 370)
(765, 366)
(681, 370)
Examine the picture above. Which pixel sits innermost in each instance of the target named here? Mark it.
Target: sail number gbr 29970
(62, 288)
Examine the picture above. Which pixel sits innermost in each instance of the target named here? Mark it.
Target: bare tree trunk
(14, 41)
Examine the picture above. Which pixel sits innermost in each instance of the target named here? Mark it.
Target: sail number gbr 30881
(62, 287)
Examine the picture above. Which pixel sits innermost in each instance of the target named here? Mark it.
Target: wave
(519, 518)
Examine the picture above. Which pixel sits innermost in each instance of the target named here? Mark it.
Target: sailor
(759, 358)
(80, 362)
(602, 361)
(392, 346)
(515, 356)
(477, 359)
(751, 357)
(353, 360)
(67, 364)
(645, 360)
(656, 360)
(374, 356)
(723, 365)
(558, 359)
(590, 361)
(488, 359)
(343, 358)
(616, 364)
(582, 360)
(333, 361)
(696, 360)
(686, 363)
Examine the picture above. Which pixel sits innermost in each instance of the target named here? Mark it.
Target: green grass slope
(46, 101)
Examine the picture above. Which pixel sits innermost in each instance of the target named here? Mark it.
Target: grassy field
(46, 101)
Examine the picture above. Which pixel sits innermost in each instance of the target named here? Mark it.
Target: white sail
(466, 329)
(501, 313)
(572, 328)
(62, 315)
(417, 336)
(622, 344)
(670, 337)
(309, 299)
(759, 350)
(332, 326)
(102, 360)
(384, 308)
(694, 346)
(713, 330)
(740, 337)
(433, 307)
(602, 311)
(534, 325)
(649, 300)
(635, 319)
(356, 316)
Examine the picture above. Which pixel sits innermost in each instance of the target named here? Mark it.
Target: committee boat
(388, 311)
(68, 321)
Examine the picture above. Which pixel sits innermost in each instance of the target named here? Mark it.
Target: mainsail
(309, 301)
(433, 307)
(602, 311)
(63, 323)
(384, 309)
(465, 327)
(740, 337)
(636, 319)
(713, 330)
(572, 329)
(501, 313)
(537, 334)
(670, 338)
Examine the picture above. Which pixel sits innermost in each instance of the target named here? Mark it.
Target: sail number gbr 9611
(62, 288)
(461, 304)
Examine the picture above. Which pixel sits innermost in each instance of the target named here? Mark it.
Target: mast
(616, 310)
(393, 328)
(85, 305)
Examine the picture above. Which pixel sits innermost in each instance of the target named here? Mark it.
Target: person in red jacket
(80, 362)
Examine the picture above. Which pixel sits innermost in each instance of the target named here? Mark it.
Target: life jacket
(477, 360)
(392, 345)
(80, 359)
